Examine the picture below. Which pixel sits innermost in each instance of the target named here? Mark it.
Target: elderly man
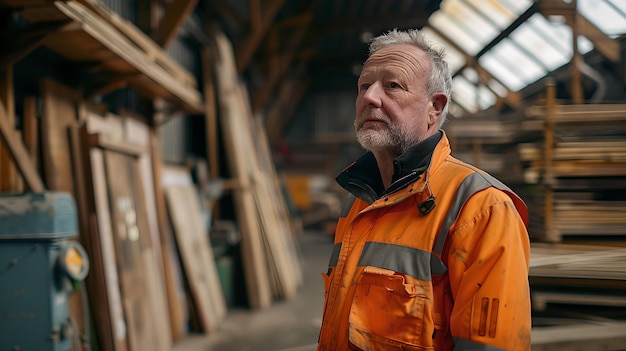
(430, 253)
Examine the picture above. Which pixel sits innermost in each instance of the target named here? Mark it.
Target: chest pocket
(392, 305)
(390, 311)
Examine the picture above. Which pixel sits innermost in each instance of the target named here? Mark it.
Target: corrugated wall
(323, 113)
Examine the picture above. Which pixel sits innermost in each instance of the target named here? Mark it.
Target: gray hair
(440, 79)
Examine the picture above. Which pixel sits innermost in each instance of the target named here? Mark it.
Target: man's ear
(438, 101)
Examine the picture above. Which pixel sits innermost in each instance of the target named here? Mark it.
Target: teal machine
(39, 267)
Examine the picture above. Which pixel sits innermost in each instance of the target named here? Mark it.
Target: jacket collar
(362, 177)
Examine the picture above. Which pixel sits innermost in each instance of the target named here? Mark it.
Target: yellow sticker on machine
(73, 261)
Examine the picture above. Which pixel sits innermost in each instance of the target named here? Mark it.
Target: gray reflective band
(398, 258)
(418, 263)
(472, 184)
(467, 345)
(334, 257)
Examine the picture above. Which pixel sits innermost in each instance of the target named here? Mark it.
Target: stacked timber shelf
(581, 167)
(575, 170)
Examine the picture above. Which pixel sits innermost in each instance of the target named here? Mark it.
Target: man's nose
(373, 95)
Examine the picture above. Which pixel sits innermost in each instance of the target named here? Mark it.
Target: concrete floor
(288, 325)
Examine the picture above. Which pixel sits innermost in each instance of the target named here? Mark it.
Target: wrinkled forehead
(399, 56)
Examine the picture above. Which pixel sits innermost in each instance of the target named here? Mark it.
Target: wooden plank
(589, 336)
(282, 248)
(575, 261)
(542, 298)
(82, 204)
(143, 42)
(197, 256)
(582, 113)
(113, 330)
(120, 47)
(582, 168)
(30, 127)
(7, 181)
(137, 133)
(172, 271)
(18, 153)
(178, 300)
(607, 151)
(133, 168)
(58, 114)
(255, 268)
(251, 161)
(142, 291)
(210, 113)
(125, 148)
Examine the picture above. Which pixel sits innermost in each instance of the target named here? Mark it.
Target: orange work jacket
(440, 262)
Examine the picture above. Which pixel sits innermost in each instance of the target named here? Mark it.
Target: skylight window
(608, 15)
(531, 51)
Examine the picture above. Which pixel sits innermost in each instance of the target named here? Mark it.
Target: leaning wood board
(112, 329)
(197, 255)
(125, 163)
(59, 113)
(172, 272)
(143, 296)
(281, 250)
(15, 148)
(256, 272)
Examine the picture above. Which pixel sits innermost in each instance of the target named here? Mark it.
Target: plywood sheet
(256, 273)
(143, 295)
(112, 329)
(196, 255)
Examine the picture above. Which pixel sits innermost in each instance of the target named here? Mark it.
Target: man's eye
(393, 85)
(364, 86)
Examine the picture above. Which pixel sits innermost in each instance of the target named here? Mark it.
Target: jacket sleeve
(488, 257)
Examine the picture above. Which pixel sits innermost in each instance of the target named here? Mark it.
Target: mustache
(372, 113)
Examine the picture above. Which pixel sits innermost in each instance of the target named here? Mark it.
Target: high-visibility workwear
(437, 261)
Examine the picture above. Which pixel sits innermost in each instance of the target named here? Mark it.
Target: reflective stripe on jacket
(439, 264)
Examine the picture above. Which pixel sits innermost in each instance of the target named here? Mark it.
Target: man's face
(392, 106)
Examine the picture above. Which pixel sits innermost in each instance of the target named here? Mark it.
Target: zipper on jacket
(403, 182)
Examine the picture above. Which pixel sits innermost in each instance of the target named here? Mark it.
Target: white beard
(391, 138)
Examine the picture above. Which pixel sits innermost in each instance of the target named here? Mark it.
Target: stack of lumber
(272, 268)
(588, 141)
(96, 36)
(581, 164)
(578, 289)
